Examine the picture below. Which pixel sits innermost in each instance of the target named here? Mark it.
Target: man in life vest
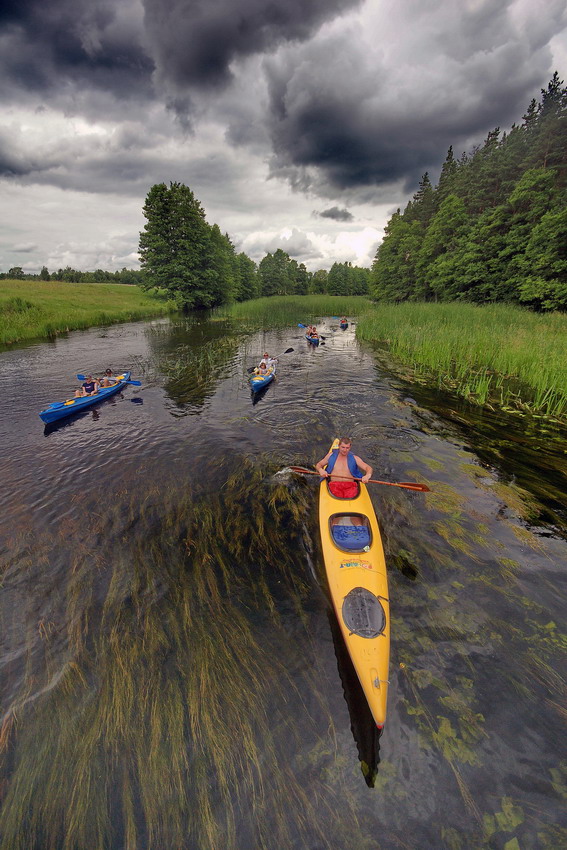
(343, 464)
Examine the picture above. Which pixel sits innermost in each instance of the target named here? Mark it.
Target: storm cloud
(335, 214)
(194, 42)
(267, 110)
(378, 114)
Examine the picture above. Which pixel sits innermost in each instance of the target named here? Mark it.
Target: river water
(171, 676)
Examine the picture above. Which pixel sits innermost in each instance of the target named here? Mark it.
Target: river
(171, 676)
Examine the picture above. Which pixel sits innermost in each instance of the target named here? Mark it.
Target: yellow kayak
(356, 572)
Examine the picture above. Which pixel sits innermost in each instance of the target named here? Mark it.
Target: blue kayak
(60, 409)
(258, 382)
(312, 340)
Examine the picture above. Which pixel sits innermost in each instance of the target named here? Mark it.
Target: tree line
(494, 229)
(198, 265)
(70, 275)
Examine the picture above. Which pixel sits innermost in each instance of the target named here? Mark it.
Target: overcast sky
(300, 124)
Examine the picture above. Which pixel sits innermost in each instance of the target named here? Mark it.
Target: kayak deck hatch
(363, 613)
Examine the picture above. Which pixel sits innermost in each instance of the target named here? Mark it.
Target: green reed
(157, 718)
(279, 311)
(484, 353)
(40, 310)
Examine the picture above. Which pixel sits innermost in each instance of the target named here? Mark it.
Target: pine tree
(544, 264)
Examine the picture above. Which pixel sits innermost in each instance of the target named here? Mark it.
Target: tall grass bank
(40, 310)
(494, 353)
(282, 310)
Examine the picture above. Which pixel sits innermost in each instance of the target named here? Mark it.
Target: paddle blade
(81, 377)
(299, 325)
(288, 350)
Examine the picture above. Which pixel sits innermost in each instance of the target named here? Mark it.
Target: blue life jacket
(354, 469)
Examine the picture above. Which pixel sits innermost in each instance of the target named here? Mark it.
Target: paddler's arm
(319, 466)
(364, 466)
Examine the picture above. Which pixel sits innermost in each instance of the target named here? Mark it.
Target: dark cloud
(335, 214)
(194, 42)
(63, 46)
(369, 118)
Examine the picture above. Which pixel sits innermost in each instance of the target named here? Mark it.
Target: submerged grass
(493, 354)
(158, 724)
(40, 310)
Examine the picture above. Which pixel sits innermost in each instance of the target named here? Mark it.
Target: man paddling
(343, 463)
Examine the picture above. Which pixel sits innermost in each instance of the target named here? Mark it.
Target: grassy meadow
(43, 309)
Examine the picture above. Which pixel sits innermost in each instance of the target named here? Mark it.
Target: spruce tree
(176, 251)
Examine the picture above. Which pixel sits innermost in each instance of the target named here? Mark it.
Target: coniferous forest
(494, 229)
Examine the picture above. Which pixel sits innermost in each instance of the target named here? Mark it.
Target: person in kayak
(90, 386)
(343, 463)
(107, 379)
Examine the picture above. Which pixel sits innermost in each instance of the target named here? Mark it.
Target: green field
(44, 309)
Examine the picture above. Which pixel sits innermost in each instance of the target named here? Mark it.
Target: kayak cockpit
(350, 532)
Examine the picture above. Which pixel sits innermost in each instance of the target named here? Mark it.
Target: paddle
(408, 485)
(134, 383)
(287, 351)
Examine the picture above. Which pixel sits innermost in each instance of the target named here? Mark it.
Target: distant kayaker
(343, 463)
(90, 386)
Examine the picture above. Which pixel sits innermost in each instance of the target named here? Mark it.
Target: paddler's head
(344, 445)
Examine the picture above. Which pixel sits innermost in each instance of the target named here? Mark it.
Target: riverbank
(45, 309)
(494, 354)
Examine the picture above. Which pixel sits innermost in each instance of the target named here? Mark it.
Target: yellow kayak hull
(358, 584)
